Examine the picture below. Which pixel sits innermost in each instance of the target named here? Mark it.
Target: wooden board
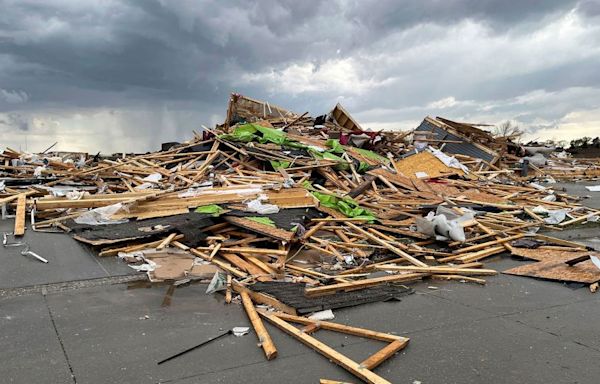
(20, 216)
(361, 370)
(264, 229)
(344, 119)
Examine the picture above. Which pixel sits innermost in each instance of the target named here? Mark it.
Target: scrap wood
(358, 284)
(20, 215)
(361, 370)
(264, 339)
(379, 183)
(556, 268)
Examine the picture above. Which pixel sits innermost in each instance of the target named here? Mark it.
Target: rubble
(306, 214)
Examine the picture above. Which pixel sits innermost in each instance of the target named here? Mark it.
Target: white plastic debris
(257, 206)
(449, 161)
(218, 283)
(593, 188)
(148, 266)
(537, 186)
(444, 225)
(150, 181)
(75, 195)
(538, 160)
(38, 171)
(240, 331)
(101, 216)
(593, 219)
(349, 259)
(549, 198)
(595, 260)
(555, 217)
(322, 315)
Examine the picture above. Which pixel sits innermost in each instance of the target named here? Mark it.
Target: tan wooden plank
(383, 354)
(264, 339)
(341, 360)
(20, 215)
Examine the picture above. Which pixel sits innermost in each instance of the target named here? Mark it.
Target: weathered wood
(331, 289)
(20, 215)
(341, 360)
(262, 298)
(264, 339)
(383, 354)
(397, 251)
(439, 270)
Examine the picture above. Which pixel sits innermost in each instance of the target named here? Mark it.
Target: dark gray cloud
(71, 58)
(14, 120)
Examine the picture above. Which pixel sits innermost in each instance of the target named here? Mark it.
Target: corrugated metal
(465, 148)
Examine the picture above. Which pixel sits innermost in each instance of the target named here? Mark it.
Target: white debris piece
(257, 206)
(151, 180)
(322, 315)
(101, 216)
(240, 331)
(449, 161)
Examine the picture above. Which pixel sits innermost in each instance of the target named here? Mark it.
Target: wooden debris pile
(276, 196)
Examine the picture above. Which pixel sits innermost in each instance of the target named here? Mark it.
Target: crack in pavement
(62, 346)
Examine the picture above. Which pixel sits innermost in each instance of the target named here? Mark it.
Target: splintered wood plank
(347, 329)
(350, 365)
(384, 353)
(389, 246)
(359, 284)
(265, 299)
(20, 216)
(264, 339)
(264, 229)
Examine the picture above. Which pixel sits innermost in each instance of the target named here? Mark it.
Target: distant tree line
(586, 142)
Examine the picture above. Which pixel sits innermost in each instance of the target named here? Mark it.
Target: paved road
(71, 321)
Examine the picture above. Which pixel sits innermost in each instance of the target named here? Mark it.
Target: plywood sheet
(426, 163)
(547, 254)
(171, 267)
(554, 268)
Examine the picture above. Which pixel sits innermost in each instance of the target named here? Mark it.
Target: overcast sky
(121, 75)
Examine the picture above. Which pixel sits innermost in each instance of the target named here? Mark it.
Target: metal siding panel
(465, 148)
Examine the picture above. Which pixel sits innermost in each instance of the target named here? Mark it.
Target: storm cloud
(126, 75)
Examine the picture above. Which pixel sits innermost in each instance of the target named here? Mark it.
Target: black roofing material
(292, 294)
(189, 225)
(286, 218)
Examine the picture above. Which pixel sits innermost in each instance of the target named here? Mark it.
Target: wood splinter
(264, 338)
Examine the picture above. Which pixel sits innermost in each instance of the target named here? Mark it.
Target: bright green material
(212, 209)
(279, 164)
(372, 155)
(262, 220)
(335, 146)
(271, 135)
(252, 132)
(363, 167)
(345, 205)
(244, 133)
(342, 164)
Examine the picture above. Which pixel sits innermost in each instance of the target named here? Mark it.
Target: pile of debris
(306, 214)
